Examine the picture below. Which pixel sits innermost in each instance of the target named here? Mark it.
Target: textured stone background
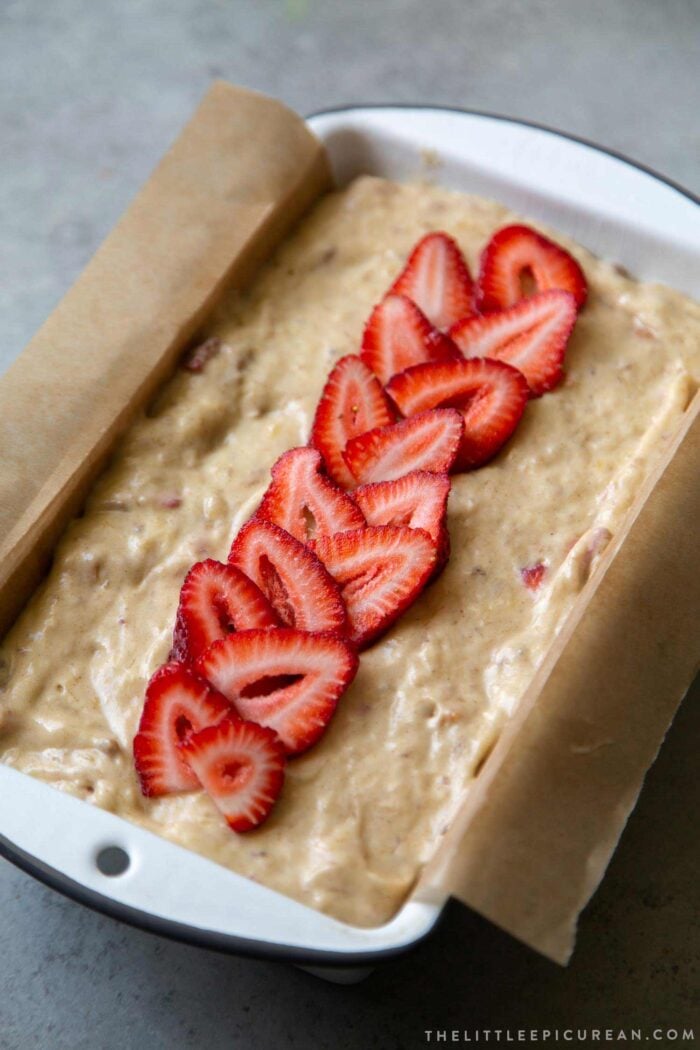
(91, 93)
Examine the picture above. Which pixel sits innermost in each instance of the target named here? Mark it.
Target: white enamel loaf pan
(615, 208)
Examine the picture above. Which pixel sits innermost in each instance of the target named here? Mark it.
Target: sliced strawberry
(216, 599)
(490, 395)
(518, 256)
(304, 502)
(398, 335)
(290, 576)
(418, 499)
(531, 336)
(286, 679)
(352, 402)
(429, 441)
(240, 765)
(177, 704)
(437, 279)
(381, 570)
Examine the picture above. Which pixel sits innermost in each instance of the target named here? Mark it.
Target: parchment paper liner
(532, 840)
(242, 171)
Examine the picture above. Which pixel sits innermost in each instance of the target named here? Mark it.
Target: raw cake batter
(363, 811)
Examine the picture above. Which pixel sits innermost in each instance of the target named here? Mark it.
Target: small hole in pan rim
(112, 861)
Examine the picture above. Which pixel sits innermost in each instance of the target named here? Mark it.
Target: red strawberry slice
(304, 502)
(290, 576)
(429, 441)
(286, 679)
(398, 335)
(517, 256)
(531, 336)
(240, 765)
(216, 599)
(381, 570)
(490, 395)
(352, 402)
(418, 499)
(177, 704)
(437, 279)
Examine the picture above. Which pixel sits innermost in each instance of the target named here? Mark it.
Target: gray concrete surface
(91, 93)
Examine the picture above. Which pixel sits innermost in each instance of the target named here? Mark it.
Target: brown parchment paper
(532, 842)
(533, 837)
(242, 170)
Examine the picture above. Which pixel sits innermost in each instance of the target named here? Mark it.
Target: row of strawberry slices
(265, 645)
(353, 526)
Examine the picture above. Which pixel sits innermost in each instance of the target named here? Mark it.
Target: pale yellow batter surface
(362, 812)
